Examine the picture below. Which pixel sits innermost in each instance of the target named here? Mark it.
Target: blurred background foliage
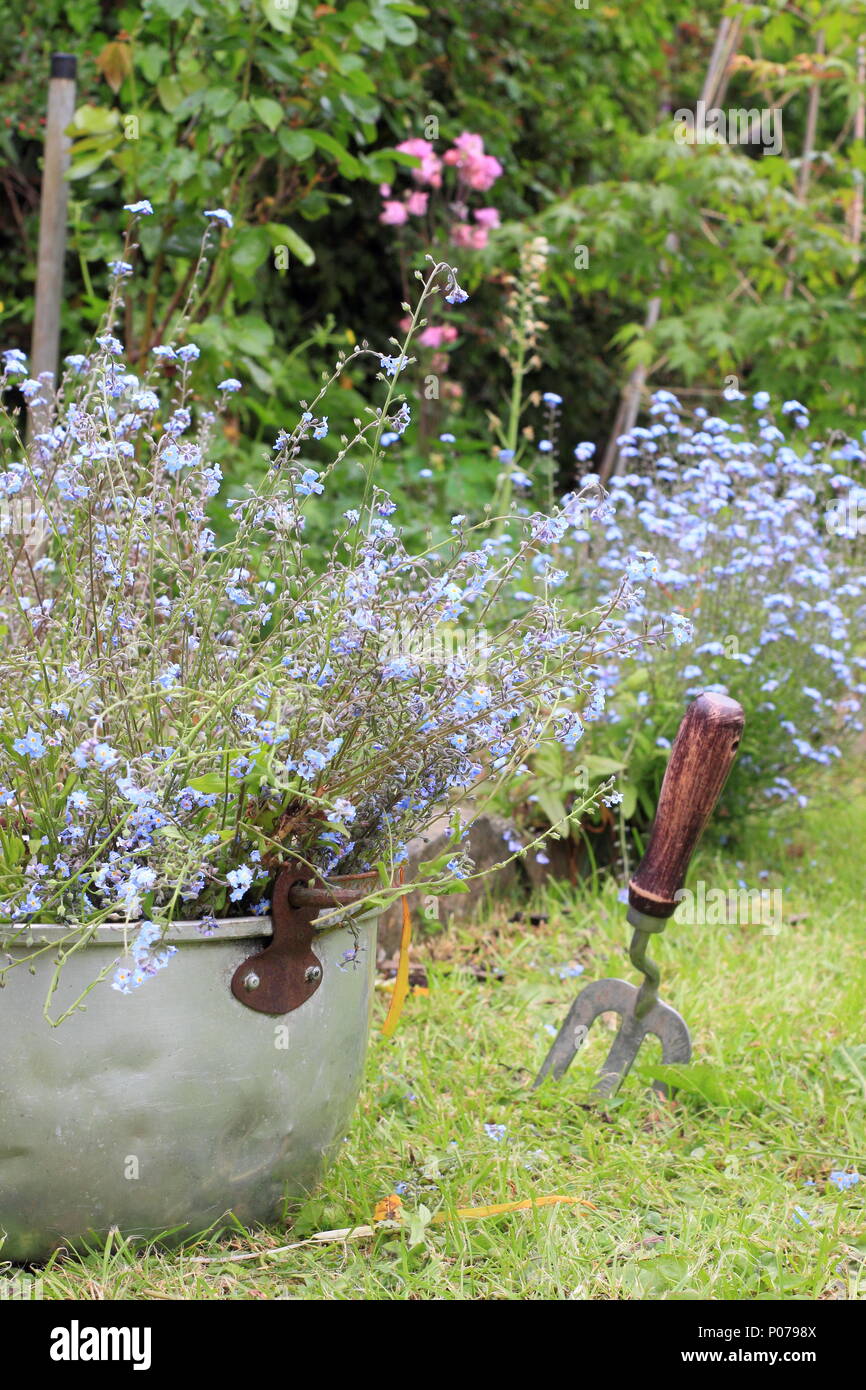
(288, 113)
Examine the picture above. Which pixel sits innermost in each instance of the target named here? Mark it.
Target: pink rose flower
(470, 144)
(394, 214)
(481, 174)
(431, 165)
(430, 337)
(437, 336)
(461, 234)
(416, 203)
(487, 217)
(478, 169)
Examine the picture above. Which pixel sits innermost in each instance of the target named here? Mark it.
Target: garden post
(52, 218)
(715, 85)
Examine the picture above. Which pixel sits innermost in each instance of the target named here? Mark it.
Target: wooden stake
(715, 83)
(805, 175)
(45, 346)
(859, 135)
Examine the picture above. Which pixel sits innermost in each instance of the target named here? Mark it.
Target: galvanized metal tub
(168, 1108)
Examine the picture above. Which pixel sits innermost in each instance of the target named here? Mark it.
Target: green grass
(723, 1198)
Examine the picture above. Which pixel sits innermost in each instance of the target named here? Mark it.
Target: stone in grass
(488, 843)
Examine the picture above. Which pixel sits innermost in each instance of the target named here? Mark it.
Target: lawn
(721, 1193)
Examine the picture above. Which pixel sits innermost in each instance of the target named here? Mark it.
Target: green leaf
(173, 8)
(362, 107)
(87, 166)
(428, 868)
(94, 120)
(260, 378)
(455, 886)
(346, 162)
(298, 144)
(91, 143)
(316, 1215)
(597, 766)
(553, 807)
(399, 28)
(281, 235)
(269, 112)
(628, 805)
(280, 14)
(378, 166)
(370, 33)
(253, 335)
(416, 1223)
(13, 850)
(170, 91)
(238, 118)
(209, 782)
(181, 164)
(704, 1080)
(150, 59)
(250, 249)
(849, 1064)
(220, 100)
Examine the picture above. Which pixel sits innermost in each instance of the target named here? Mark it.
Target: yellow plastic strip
(401, 984)
(391, 1209)
(477, 1213)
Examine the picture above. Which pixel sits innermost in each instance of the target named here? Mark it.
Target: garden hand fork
(701, 758)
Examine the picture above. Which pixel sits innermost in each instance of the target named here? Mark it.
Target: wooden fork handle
(701, 758)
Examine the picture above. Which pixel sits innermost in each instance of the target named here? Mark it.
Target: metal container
(164, 1110)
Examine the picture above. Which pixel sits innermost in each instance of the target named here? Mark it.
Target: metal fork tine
(620, 997)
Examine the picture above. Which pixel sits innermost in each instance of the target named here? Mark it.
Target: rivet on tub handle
(287, 973)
